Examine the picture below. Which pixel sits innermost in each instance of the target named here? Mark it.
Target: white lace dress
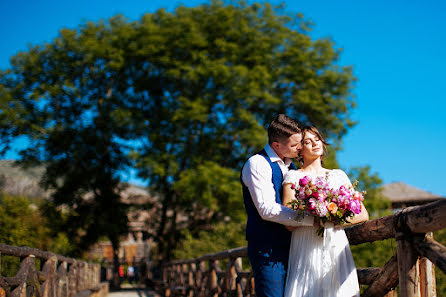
(320, 266)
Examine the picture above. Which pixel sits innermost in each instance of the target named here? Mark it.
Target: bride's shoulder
(292, 176)
(336, 171)
(339, 173)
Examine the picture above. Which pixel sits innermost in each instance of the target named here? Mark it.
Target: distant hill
(17, 181)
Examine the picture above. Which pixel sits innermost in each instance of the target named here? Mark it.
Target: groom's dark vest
(257, 229)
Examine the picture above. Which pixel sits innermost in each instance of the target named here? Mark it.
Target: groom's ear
(275, 145)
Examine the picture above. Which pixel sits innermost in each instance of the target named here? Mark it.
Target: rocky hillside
(17, 181)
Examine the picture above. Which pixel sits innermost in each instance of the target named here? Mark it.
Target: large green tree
(211, 78)
(65, 98)
(188, 92)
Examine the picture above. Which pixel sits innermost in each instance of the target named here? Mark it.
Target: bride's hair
(282, 127)
(315, 131)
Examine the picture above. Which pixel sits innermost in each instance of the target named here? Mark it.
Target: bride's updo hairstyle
(282, 127)
(315, 131)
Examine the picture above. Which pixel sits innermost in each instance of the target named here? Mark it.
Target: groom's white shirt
(257, 176)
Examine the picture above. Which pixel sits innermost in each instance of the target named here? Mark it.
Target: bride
(319, 266)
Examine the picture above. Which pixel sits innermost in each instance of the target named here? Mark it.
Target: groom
(261, 177)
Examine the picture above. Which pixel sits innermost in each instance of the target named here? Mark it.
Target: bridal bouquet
(328, 204)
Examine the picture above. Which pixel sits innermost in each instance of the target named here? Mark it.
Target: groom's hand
(290, 228)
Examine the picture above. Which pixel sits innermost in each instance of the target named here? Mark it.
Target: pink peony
(312, 203)
(341, 202)
(304, 181)
(321, 209)
(355, 206)
(322, 196)
(343, 191)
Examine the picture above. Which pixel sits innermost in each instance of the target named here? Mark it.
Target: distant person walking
(121, 273)
(131, 274)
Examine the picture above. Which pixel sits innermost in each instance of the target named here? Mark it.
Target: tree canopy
(184, 95)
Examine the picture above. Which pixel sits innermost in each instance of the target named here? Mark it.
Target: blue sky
(397, 50)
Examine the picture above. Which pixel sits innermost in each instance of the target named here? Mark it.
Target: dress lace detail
(320, 266)
(337, 177)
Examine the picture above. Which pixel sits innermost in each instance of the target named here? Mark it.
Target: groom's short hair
(281, 128)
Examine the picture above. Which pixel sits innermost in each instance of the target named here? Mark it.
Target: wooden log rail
(58, 276)
(411, 268)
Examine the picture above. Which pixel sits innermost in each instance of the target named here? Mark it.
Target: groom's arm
(257, 177)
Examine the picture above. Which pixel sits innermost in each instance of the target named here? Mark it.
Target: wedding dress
(320, 266)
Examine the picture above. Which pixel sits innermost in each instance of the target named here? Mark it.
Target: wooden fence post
(51, 279)
(427, 275)
(238, 269)
(72, 279)
(199, 279)
(231, 276)
(212, 280)
(62, 280)
(407, 256)
(191, 282)
(49, 270)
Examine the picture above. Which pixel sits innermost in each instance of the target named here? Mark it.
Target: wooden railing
(410, 268)
(58, 276)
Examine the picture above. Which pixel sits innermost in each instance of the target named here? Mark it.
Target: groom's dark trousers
(269, 264)
(268, 242)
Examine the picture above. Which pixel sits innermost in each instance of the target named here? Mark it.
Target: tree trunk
(116, 281)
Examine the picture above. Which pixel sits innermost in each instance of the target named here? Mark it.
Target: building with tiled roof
(403, 195)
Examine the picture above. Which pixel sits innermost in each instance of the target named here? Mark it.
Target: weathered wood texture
(385, 280)
(426, 218)
(431, 249)
(415, 276)
(427, 278)
(407, 267)
(60, 276)
(366, 276)
(417, 219)
(207, 278)
(370, 231)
